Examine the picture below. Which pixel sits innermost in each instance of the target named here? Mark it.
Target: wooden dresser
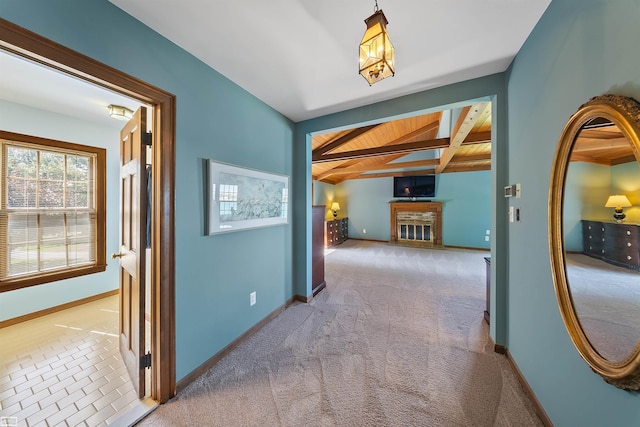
(617, 244)
(336, 231)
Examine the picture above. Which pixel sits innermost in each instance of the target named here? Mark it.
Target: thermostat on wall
(512, 190)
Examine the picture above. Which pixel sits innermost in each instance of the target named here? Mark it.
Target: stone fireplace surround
(416, 216)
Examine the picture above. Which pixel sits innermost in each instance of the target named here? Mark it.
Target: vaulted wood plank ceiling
(376, 151)
(604, 144)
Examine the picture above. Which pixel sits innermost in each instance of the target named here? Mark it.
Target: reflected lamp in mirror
(335, 207)
(618, 201)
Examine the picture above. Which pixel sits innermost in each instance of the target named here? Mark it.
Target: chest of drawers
(615, 243)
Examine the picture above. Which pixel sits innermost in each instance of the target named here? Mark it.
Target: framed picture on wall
(241, 198)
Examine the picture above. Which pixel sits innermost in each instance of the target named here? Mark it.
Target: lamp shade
(617, 201)
(335, 206)
(377, 55)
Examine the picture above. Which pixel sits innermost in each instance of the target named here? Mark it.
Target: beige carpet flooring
(607, 300)
(396, 339)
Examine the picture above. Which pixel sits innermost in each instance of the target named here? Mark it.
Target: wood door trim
(34, 47)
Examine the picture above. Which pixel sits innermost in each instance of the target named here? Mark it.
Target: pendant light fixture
(377, 56)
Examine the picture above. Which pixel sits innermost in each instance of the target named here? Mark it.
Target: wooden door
(133, 212)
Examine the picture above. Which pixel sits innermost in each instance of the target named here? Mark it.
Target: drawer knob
(628, 258)
(629, 244)
(628, 233)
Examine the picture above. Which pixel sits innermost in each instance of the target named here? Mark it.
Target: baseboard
(473, 248)
(303, 299)
(193, 375)
(368, 240)
(319, 288)
(501, 349)
(51, 310)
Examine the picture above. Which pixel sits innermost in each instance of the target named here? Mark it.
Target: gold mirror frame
(625, 113)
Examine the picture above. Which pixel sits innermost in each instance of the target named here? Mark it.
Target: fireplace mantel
(419, 207)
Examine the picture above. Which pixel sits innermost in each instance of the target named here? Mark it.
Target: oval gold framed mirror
(594, 246)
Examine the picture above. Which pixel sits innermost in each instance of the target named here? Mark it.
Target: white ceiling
(28, 83)
(301, 56)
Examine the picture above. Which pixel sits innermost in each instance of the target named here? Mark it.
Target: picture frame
(241, 198)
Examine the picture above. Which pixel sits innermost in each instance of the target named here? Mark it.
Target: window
(52, 210)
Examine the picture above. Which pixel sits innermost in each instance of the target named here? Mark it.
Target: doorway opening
(31, 46)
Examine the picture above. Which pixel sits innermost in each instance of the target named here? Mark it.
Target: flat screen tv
(414, 186)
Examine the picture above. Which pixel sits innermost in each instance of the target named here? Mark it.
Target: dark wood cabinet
(617, 244)
(336, 231)
(317, 249)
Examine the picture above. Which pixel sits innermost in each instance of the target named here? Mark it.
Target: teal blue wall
(578, 50)
(215, 119)
(45, 124)
(466, 211)
(587, 187)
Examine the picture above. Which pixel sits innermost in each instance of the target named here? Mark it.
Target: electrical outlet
(488, 232)
(252, 298)
(486, 238)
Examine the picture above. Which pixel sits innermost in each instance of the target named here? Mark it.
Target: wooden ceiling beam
(386, 166)
(467, 167)
(467, 119)
(391, 174)
(477, 138)
(344, 139)
(460, 158)
(318, 152)
(407, 147)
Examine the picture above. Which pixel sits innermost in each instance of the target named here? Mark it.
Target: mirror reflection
(601, 217)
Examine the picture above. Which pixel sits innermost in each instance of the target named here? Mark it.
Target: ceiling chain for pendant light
(377, 55)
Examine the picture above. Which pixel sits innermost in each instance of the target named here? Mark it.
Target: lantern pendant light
(377, 56)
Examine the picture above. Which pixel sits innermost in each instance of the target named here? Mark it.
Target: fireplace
(417, 223)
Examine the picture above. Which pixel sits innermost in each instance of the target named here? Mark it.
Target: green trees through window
(50, 208)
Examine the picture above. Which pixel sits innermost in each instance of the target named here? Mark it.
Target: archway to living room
(332, 130)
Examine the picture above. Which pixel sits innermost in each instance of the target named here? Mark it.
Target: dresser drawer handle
(629, 244)
(628, 258)
(628, 233)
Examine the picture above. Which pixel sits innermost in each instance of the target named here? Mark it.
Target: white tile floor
(64, 369)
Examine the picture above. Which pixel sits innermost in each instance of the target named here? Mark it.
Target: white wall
(26, 120)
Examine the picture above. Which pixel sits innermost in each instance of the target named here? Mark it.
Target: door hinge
(146, 138)
(145, 361)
